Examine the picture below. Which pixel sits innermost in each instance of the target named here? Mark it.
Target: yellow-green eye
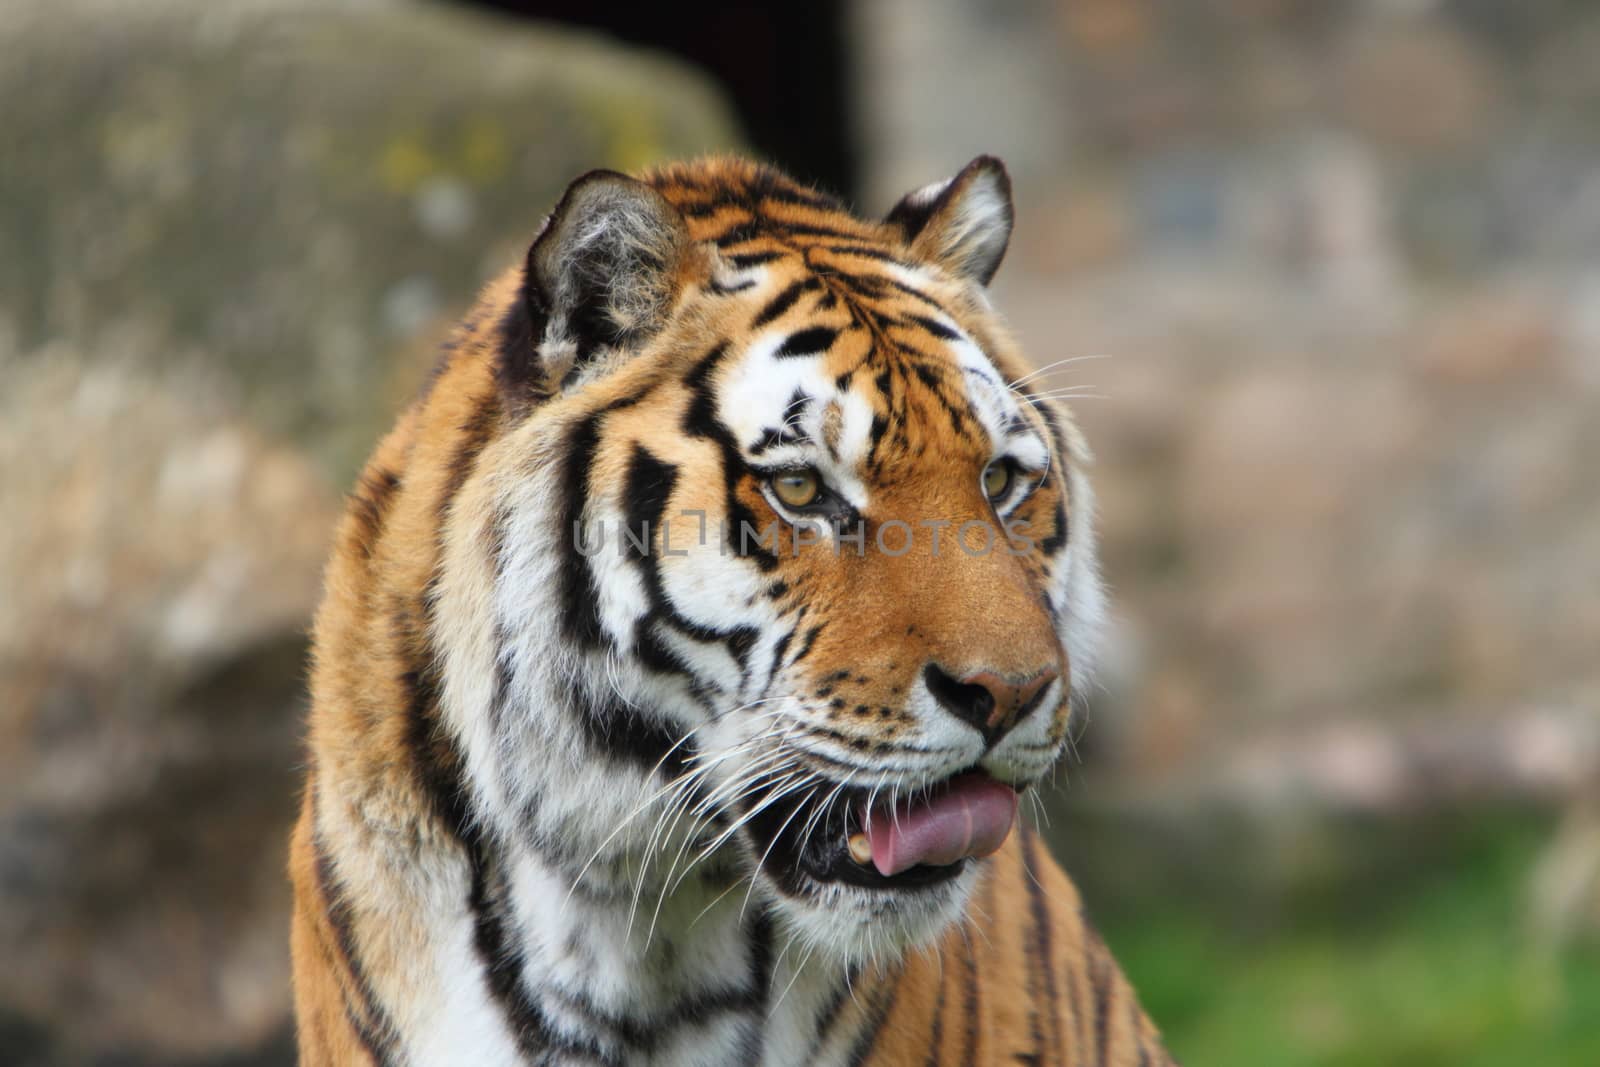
(997, 479)
(797, 488)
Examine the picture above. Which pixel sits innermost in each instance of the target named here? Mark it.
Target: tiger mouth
(846, 836)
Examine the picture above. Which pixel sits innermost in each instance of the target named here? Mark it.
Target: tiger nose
(987, 701)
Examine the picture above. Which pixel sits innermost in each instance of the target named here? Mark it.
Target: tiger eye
(997, 479)
(797, 488)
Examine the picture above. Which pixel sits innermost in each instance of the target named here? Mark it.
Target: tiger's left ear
(601, 274)
(963, 224)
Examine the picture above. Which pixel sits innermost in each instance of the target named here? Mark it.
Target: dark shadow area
(785, 68)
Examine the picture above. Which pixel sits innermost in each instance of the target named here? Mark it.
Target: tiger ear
(964, 223)
(601, 274)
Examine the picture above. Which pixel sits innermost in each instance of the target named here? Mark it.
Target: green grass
(1418, 957)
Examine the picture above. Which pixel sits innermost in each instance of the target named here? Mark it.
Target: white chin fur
(849, 926)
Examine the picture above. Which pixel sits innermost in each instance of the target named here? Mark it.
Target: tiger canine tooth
(860, 849)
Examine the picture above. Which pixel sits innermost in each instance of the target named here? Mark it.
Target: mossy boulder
(279, 196)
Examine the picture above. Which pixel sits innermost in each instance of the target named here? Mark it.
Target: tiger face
(772, 529)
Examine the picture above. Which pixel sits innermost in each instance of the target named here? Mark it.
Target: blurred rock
(1460, 134)
(229, 232)
(1495, 337)
(151, 666)
(1308, 518)
(298, 185)
(1422, 86)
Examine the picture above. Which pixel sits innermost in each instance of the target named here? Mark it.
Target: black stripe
(788, 433)
(439, 768)
(937, 1036)
(647, 488)
(935, 327)
(656, 655)
(915, 294)
(371, 1022)
(1040, 910)
(580, 599)
(745, 260)
(700, 420)
(792, 194)
(771, 437)
(777, 657)
(741, 641)
(646, 1035)
(870, 285)
(875, 436)
(782, 302)
(970, 1006)
(865, 251)
(814, 340)
(370, 506)
(500, 954)
(877, 767)
(1063, 531)
(700, 417)
(476, 432)
(761, 965)
(738, 234)
(701, 209)
(500, 697)
(876, 746)
(433, 752)
(617, 730)
(868, 1038)
(831, 1012)
(1052, 544)
(807, 229)
(799, 402)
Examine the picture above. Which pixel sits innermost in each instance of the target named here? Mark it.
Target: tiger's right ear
(600, 277)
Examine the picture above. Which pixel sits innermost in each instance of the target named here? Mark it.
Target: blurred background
(1331, 273)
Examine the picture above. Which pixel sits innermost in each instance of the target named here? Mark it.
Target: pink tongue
(970, 818)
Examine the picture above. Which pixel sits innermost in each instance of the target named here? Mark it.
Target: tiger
(688, 647)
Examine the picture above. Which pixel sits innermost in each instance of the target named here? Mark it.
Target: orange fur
(380, 850)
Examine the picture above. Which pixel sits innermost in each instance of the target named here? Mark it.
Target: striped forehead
(782, 401)
(808, 383)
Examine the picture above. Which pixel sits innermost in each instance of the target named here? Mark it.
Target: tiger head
(776, 570)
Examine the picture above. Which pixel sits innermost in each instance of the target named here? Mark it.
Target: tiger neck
(663, 970)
